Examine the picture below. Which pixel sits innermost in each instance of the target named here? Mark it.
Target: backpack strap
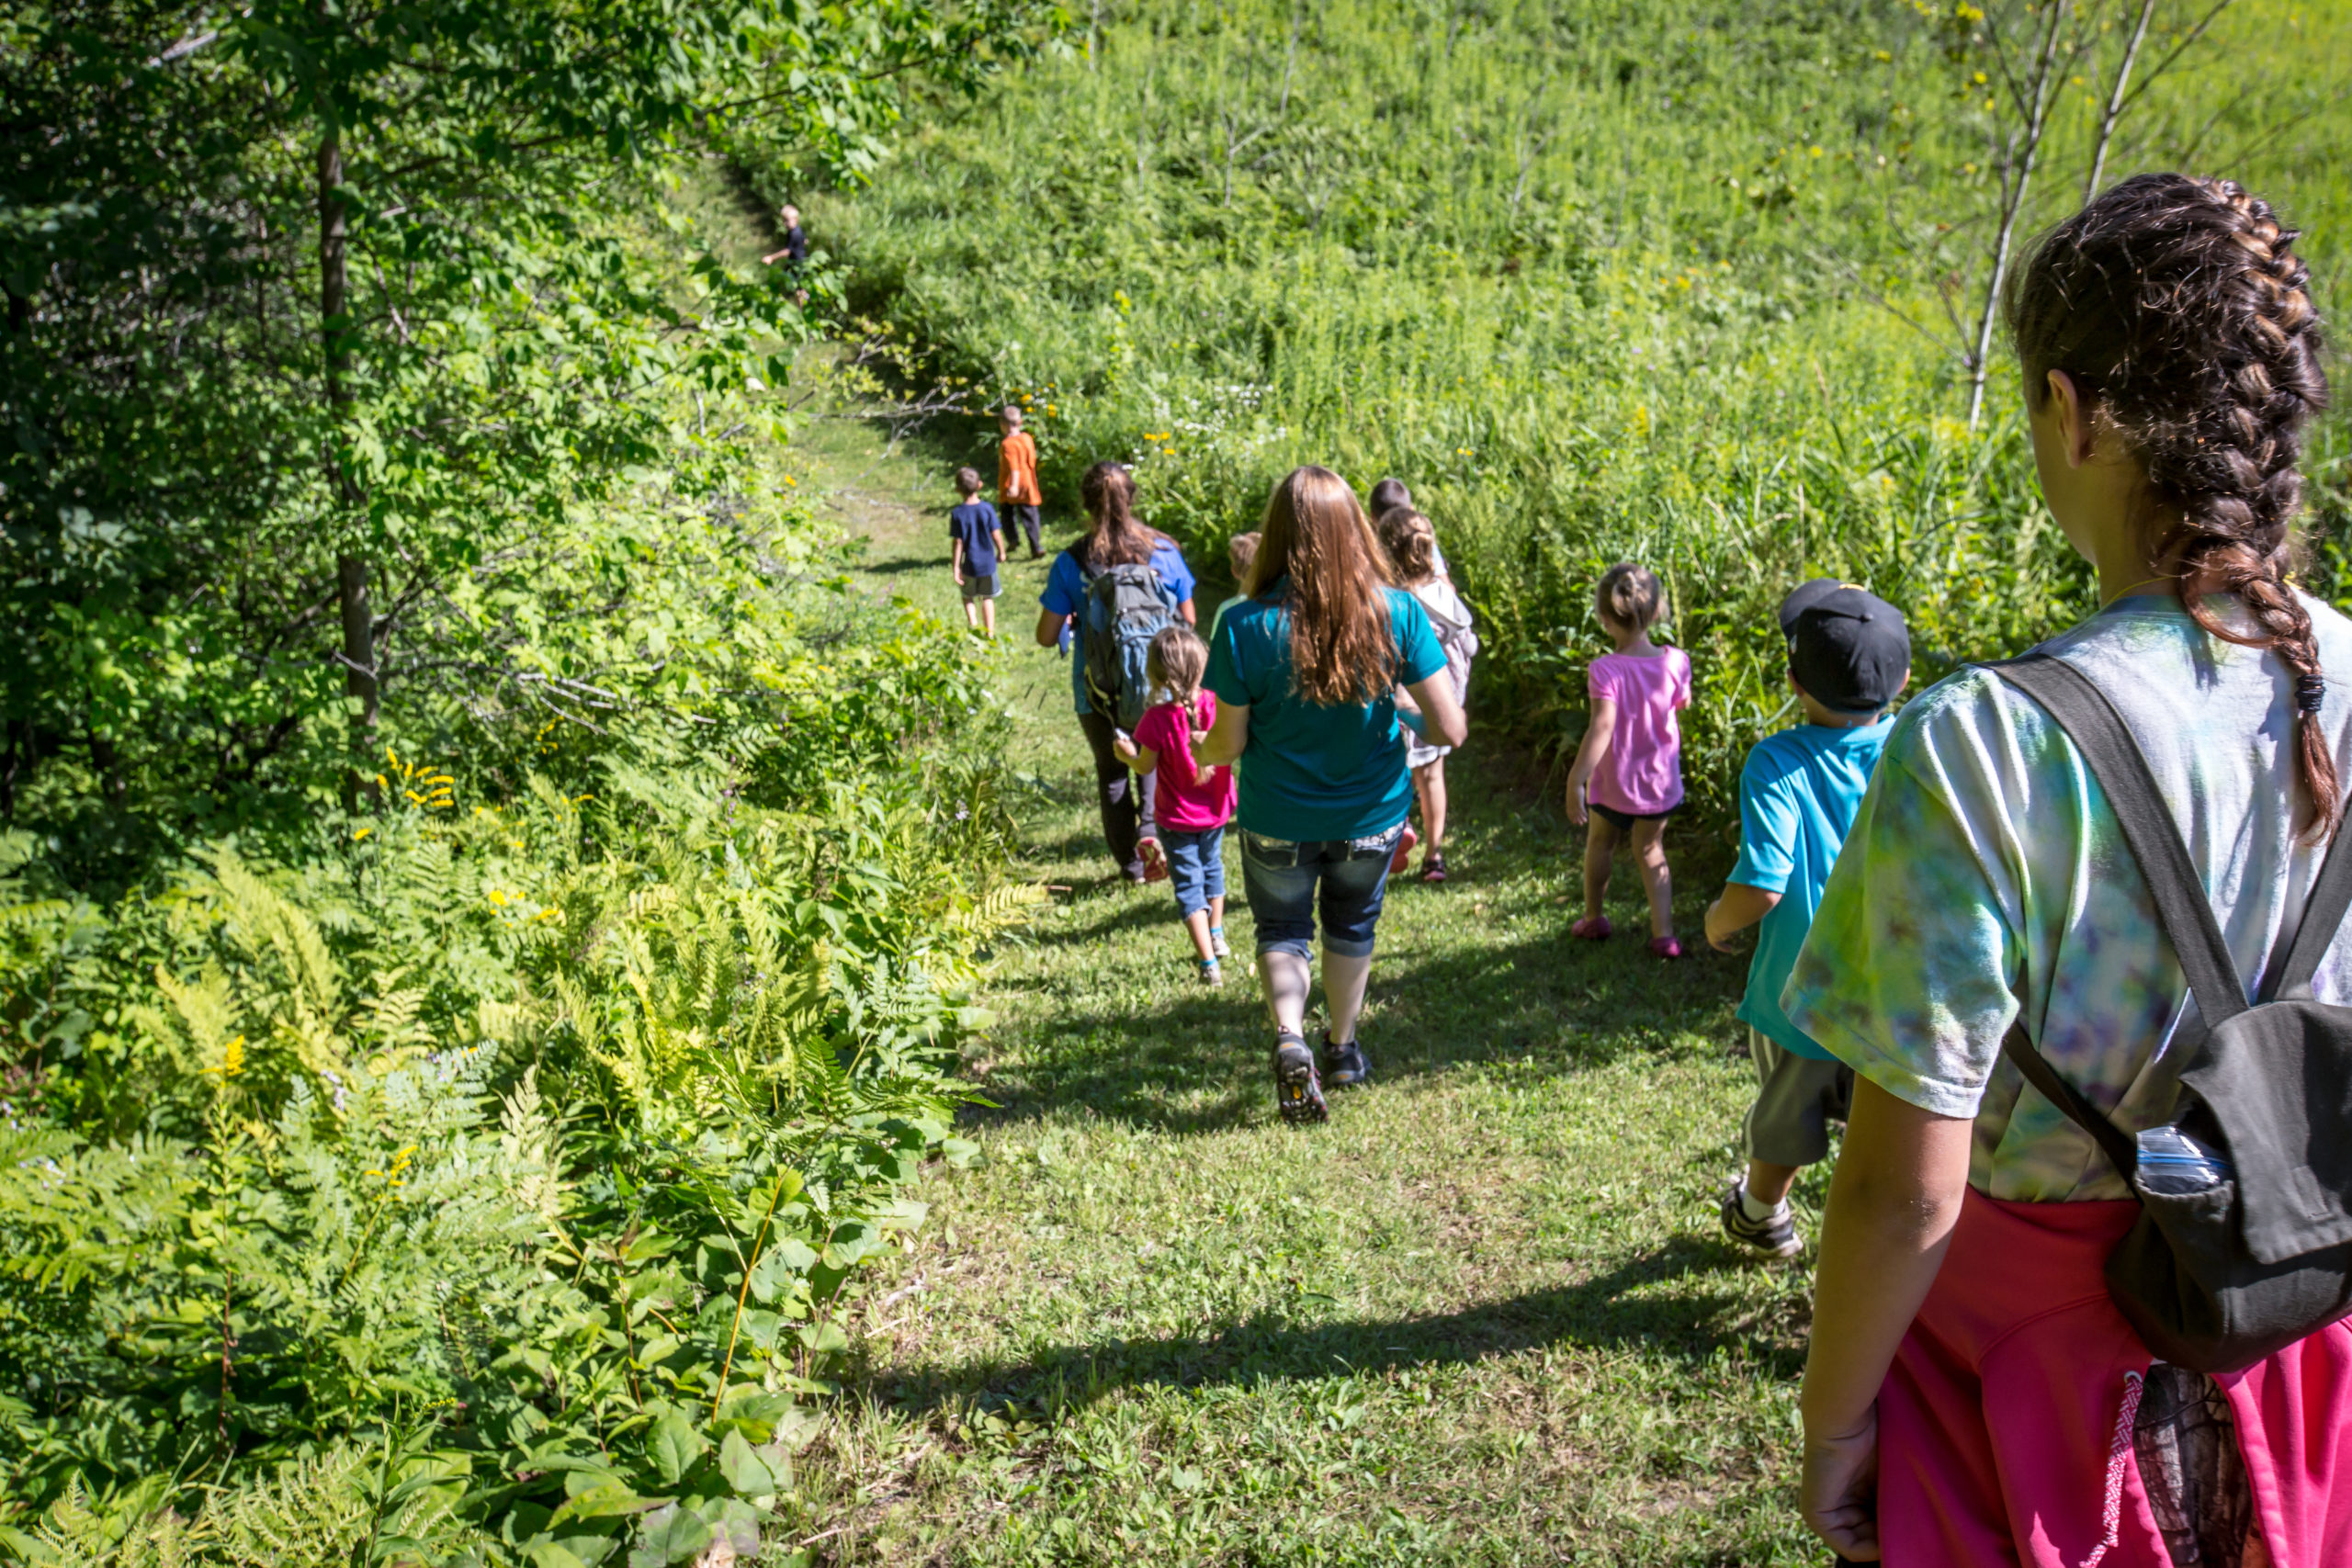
(2296, 957)
(2122, 1151)
(2116, 760)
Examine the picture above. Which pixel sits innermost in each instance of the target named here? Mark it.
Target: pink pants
(2000, 1436)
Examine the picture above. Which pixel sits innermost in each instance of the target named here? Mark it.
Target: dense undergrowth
(475, 1171)
(1601, 280)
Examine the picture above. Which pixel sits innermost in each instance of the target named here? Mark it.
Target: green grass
(1483, 1315)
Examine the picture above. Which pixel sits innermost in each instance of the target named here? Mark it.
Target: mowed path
(1482, 1317)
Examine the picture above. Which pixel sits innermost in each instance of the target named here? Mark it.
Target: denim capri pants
(1196, 867)
(1280, 876)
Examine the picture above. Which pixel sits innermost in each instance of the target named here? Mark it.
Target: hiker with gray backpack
(2089, 1248)
(1117, 588)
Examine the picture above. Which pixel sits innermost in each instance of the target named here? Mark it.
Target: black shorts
(1623, 820)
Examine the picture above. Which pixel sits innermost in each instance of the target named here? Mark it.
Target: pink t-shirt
(1642, 772)
(1183, 807)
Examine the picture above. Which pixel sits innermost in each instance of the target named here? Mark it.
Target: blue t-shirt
(975, 523)
(1798, 795)
(1064, 594)
(1314, 773)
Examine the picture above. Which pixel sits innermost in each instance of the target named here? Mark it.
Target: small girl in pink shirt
(1629, 769)
(1194, 803)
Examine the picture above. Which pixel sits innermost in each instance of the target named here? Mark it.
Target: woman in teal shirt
(1306, 675)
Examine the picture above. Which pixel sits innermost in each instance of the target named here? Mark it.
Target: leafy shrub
(552, 1129)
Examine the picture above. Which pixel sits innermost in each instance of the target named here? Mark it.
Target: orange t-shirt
(1016, 471)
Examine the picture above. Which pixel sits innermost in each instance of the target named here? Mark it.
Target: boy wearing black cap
(1849, 656)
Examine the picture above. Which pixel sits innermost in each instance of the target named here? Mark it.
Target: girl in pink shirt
(1194, 803)
(1629, 769)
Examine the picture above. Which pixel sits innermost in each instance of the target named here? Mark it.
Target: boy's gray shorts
(978, 586)
(1796, 1100)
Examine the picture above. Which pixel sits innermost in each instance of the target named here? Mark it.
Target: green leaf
(674, 1445)
(671, 1534)
(745, 1470)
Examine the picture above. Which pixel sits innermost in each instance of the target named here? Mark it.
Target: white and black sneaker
(1298, 1090)
(1774, 1236)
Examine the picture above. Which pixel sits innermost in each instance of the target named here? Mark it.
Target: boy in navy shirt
(1849, 655)
(978, 547)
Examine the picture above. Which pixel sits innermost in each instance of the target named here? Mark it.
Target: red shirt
(1186, 804)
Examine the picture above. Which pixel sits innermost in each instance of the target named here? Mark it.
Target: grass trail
(1483, 1315)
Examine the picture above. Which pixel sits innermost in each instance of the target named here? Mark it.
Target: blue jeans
(1280, 876)
(1196, 867)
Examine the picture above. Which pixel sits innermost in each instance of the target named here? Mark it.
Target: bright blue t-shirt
(1064, 594)
(975, 523)
(1798, 795)
(1313, 772)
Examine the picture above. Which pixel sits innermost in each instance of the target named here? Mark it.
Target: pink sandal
(1593, 928)
(1665, 947)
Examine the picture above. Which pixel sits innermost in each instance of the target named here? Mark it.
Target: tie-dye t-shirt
(1986, 876)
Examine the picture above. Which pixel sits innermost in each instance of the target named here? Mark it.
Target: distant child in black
(979, 546)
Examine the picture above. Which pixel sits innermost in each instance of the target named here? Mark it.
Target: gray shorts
(1796, 1100)
(979, 587)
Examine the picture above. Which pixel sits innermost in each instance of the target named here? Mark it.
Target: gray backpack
(2244, 1243)
(1126, 607)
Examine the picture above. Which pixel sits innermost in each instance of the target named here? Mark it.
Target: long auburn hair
(1342, 642)
(1116, 536)
(2184, 317)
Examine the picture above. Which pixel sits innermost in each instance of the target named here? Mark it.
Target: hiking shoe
(1210, 973)
(1298, 1093)
(1218, 943)
(1404, 851)
(1593, 928)
(1345, 1067)
(1775, 1234)
(1155, 860)
(1665, 947)
(1433, 867)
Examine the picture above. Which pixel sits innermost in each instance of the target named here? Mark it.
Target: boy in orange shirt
(1017, 496)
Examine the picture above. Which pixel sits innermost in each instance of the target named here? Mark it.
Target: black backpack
(2244, 1257)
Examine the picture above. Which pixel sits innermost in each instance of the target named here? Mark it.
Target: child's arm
(1142, 758)
(1739, 908)
(959, 561)
(1590, 754)
(1892, 1204)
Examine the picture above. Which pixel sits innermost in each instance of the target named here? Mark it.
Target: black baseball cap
(1848, 647)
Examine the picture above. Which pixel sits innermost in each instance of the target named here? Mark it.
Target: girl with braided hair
(1972, 1396)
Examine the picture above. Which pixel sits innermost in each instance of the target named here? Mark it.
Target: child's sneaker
(1775, 1234)
(1404, 851)
(1298, 1093)
(1593, 928)
(1665, 947)
(1433, 867)
(1345, 1067)
(1155, 860)
(1210, 973)
(1217, 943)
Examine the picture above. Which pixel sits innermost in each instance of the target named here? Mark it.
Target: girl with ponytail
(1972, 1396)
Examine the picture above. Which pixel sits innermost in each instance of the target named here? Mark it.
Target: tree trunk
(351, 568)
(2012, 208)
(2115, 100)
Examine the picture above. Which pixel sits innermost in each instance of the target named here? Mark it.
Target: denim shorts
(1280, 876)
(1196, 867)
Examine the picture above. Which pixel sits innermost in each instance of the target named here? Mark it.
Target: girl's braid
(2183, 313)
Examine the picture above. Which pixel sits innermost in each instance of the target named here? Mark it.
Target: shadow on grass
(1683, 1300)
(1563, 1005)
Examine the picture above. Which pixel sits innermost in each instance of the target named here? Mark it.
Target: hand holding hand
(1125, 749)
(1838, 1493)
